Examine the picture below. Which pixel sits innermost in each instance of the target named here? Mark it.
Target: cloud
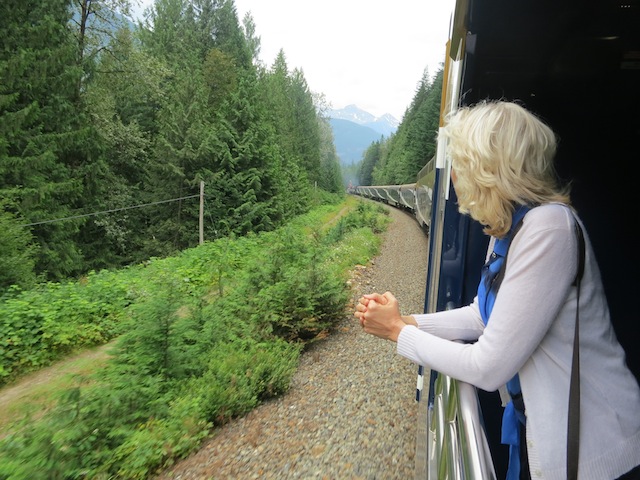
(369, 53)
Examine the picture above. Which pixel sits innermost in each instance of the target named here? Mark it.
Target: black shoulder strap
(573, 427)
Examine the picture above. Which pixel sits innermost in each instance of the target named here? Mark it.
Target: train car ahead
(576, 64)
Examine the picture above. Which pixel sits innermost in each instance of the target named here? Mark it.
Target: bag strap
(573, 427)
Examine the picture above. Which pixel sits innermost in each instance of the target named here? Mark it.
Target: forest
(108, 128)
(110, 133)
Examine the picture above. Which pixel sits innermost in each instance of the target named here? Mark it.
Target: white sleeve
(539, 272)
(461, 324)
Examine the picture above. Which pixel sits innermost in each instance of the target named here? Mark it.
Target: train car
(423, 194)
(576, 64)
(413, 197)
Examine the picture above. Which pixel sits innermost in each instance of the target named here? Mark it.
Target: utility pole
(201, 213)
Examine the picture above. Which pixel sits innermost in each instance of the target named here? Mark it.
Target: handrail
(456, 444)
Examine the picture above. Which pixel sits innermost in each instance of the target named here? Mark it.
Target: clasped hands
(379, 315)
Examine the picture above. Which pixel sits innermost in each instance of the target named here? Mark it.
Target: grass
(39, 391)
(35, 393)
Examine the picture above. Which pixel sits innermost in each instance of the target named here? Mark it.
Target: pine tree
(401, 157)
(330, 178)
(17, 264)
(370, 160)
(122, 99)
(42, 136)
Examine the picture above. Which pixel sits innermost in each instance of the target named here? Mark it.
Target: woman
(522, 335)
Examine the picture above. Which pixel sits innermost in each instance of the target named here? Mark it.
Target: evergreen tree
(370, 159)
(306, 127)
(228, 36)
(282, 116)
(17, 263)
(330, 175)
(184, 123)
(122, 100)
(180, 153)
(295, 117)
(401, 157)
(243, 186)
(423, 128)
(253, 41)
(44, 138)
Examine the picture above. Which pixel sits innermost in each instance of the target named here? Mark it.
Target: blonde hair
(502, 157)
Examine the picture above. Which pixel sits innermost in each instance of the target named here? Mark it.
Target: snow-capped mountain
(385, 125)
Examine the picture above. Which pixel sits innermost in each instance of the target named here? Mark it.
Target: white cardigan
(530, 332)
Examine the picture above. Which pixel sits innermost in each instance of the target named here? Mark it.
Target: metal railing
(452, 444)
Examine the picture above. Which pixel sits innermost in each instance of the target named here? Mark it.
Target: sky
(370, 53)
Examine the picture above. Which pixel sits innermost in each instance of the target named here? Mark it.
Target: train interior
(577, 65)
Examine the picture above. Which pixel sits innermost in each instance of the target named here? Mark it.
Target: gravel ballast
(350, 412)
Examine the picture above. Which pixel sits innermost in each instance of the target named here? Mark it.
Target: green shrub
(204, 337)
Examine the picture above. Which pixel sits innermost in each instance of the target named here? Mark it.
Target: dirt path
(35, 389)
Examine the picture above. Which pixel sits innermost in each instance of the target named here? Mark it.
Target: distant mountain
(385, 125)
(351, 140)
(354, 130)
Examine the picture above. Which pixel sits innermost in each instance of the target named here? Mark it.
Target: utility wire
(109, 211)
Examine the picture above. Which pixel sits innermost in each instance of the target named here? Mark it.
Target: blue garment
(487, 292)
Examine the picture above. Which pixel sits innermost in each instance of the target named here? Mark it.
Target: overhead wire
(109, 211)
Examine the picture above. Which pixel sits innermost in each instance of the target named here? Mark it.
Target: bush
(205, 337)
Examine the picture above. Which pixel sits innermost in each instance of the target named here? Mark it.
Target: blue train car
(577, 65)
